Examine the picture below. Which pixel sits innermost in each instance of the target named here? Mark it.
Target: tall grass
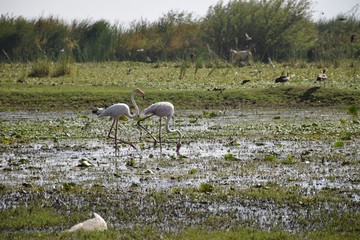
(280, 29)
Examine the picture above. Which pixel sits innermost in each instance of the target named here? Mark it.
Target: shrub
(40, 68)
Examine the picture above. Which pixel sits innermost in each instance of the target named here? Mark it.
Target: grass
(99, 84)
(41, 219)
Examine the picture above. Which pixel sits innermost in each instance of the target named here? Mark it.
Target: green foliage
(280, 29)
(206, 188)
(40, 68)
(31, 217)
(269, 158)
(98, 84)
(230, 157)
(353, 110)
(339, 144)
(63, 67)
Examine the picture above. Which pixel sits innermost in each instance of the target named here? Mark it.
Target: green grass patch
(101, 84)
(33, 217)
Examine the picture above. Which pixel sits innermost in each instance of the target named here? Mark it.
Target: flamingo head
(138, 90)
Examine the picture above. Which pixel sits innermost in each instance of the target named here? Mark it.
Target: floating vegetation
(206, 188)
(230, 157)
(353, 110)
(339, 144)
(269, 158)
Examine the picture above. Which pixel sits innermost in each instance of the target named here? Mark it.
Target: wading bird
(321, 77)
(116, 111)
(282, 79)
(162, 109)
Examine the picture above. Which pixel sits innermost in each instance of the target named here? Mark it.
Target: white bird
(94, 224)
(116, 111)
(248, 38)
(162, 109)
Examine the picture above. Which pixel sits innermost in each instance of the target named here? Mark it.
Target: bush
(40, 68)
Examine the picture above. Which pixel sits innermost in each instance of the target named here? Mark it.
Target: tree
(280, 29)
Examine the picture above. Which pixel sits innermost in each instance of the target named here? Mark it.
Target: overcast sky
(125, 11)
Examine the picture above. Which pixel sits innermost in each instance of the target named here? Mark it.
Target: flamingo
(162, 109)
(117, 110)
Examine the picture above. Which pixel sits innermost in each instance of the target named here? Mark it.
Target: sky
(125, 11)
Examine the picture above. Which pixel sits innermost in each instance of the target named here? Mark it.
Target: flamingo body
(162, 109)
(117, 110)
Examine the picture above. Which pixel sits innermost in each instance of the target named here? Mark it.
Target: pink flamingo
(162, 109)
(116, 111)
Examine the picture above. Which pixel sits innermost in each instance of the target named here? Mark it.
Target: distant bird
(322, 77)
(116, 111)
(94, 224)
(245, 81)
(247, 37)
(282, 79)
(162, 109)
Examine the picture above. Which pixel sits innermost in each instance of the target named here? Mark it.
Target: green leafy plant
(40, 68)
(339, 144)
(206, 188)
(230, 157)
(269, 158)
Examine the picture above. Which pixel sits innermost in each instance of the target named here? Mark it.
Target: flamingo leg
(112, 125)
(116, 128)
(147, 131)
(116, 138)
(160, 136)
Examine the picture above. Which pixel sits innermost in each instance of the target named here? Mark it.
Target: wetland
(293, 170)
(258, 161)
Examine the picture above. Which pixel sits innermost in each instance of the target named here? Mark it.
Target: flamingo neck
(173, 130)
(136, 113)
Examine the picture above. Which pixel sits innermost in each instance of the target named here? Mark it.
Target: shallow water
(301, 142)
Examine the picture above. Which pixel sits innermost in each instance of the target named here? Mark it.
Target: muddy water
(300, 144)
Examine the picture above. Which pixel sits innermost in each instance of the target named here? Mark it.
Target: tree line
(278, 29)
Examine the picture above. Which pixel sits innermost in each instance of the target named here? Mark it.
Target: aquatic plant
(339, 144)
(206, 188)
(230, 157)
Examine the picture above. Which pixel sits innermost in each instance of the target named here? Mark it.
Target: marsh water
(310, 150)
